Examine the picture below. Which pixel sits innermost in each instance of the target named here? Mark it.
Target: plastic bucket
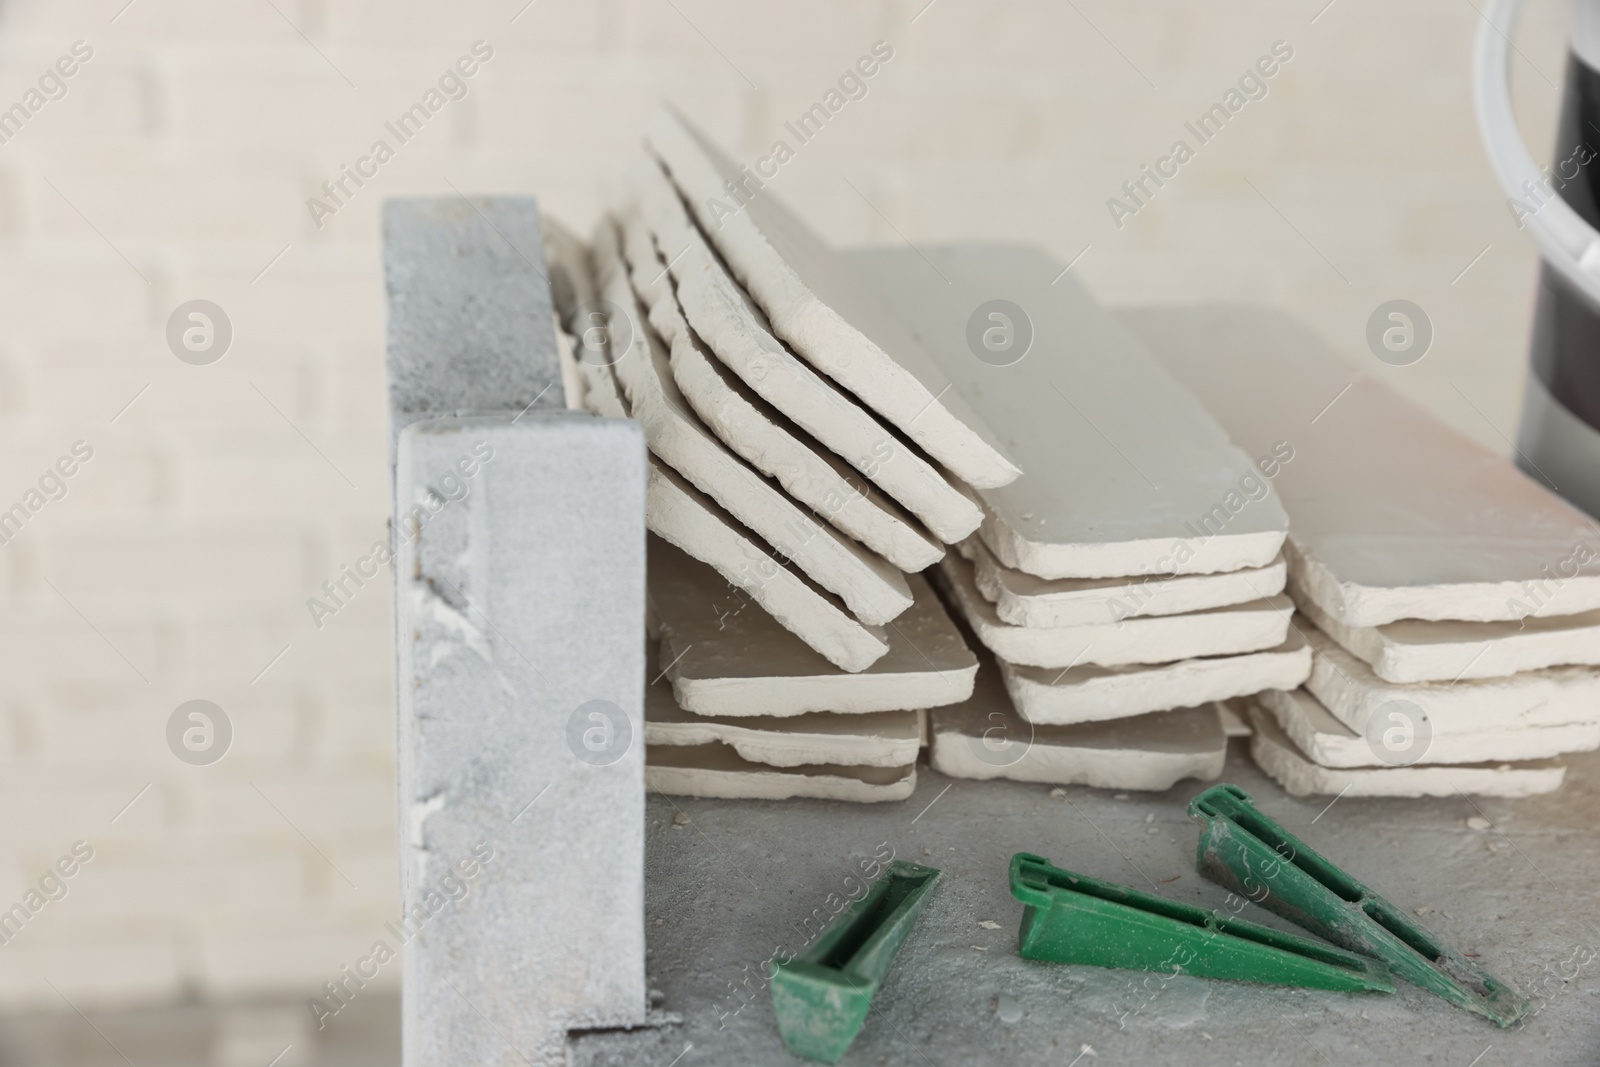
(1559, 437)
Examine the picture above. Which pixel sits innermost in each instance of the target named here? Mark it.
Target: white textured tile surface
(741, 337)
(1125, 472)
(724, 657)
(984, 737)
(817, 302)
(750, 427)
(1088, 693)
(1276, 754)
(1346, 685)
(870, 587)
(716, 770)
(874, 739)
(1158, 639)
(1393, 514)
(683, 516)
(1327, 741)
(1024, 600)
(1424, 650)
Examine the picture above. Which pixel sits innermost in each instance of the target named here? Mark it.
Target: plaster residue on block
(984, 737)
(874, 739)
(820, 304)
(1156, 639)
(716, 770)
(1346, 685)
(1126, 473)
(1327, 741)
(1087, 693)
(1279, 757)
(736, 331)
(873, 589)
(764, 438)
(1393, 514)
(1424, 650)
(1024, 600)
(725, 657)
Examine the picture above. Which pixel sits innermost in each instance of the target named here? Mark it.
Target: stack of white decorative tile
(1132, 575)
(1451, 602)
(739, 707)
(806, 464)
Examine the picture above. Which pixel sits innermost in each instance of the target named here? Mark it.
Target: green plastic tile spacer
(1249, 853)
(821, 997)
(1072, 918)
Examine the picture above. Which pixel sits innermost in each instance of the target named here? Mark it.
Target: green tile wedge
(821, 997)
(1072, 918)
(1246, 851)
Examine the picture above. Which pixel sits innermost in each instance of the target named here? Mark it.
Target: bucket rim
(1565, 240)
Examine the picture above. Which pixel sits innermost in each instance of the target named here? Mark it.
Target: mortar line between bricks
(269, 266)
(713, 47)
(124, 409)
(269, 666)
(308, 41)
(95, 228)
(304, 438)
(304, 838)
(95, 628)
(1297, 231)
(132, 802)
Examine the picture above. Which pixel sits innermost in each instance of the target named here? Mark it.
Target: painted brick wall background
(218, 498)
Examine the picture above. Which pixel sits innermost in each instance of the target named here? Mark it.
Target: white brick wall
(193, 537)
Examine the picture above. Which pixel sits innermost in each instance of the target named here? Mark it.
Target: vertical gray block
(519, 598)
(469, 328)
(520, 605)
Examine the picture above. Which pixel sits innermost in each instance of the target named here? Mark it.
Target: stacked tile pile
(807, 463)
(1452, 603)
(823, 425)
(1132, 576)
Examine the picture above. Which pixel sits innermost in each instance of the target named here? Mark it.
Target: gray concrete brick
(517, 605)
(469, 327)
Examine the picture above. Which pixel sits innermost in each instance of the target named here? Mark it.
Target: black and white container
(1559, 438)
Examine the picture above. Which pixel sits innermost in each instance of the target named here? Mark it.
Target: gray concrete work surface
(729, 882)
